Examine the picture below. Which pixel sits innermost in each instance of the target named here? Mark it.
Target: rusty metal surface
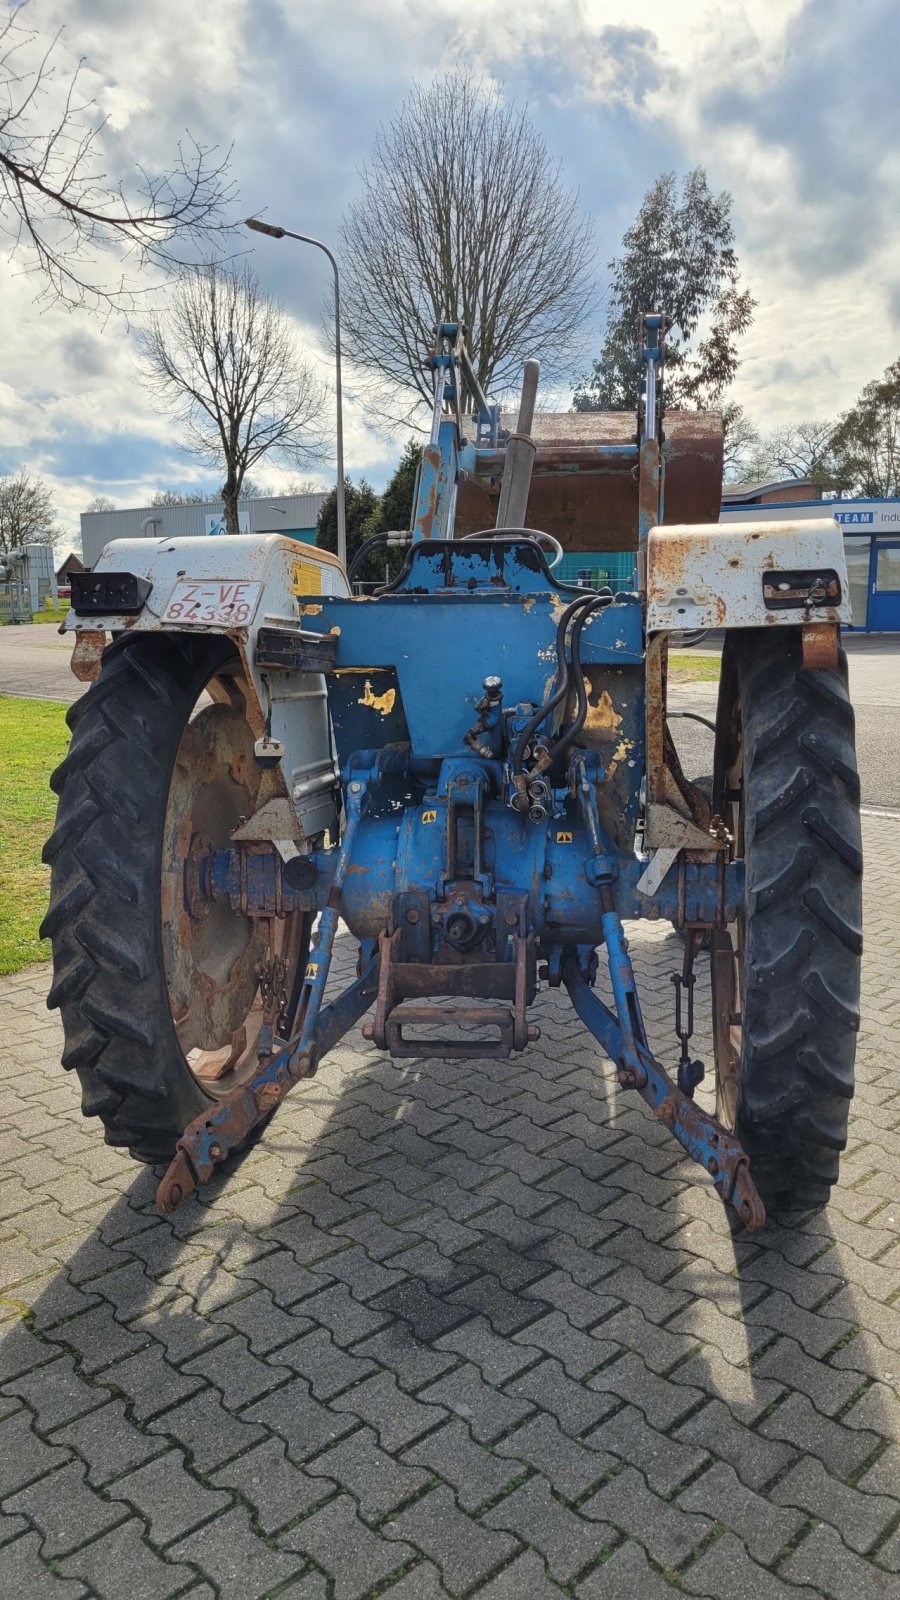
(726, 1161)
(667, 829)
(488, 980)
(385, 999)
(86, 657)
(212, 954)
(693, 798)
(211, 961)
(576, 427)
(524, 1034)
(215, 1064)
(450, 1048)
(177, 1183)
(677, 815)
(613, 727)
(655, 667)
(460, 977)
(649, 472)
(275, 820)
(726, 1011)
(587, 497)
(713, 577)
(820, 643)
(430, 471)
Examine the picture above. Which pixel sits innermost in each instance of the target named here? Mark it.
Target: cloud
(829, 118)
(117, 460)
(790, 105)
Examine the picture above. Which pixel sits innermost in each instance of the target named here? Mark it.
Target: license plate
(212, 602)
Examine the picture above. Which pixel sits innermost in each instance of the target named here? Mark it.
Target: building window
(856, 549)
(887, 568)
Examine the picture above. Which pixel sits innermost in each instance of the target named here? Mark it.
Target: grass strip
(33, 740)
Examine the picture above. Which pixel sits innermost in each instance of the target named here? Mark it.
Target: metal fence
(14, 605)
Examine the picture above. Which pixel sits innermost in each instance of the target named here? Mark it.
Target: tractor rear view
(471, 769)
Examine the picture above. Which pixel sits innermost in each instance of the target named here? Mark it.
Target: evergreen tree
(360, 501)
(677, 257)
(393, 514)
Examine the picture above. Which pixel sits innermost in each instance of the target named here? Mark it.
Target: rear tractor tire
(160, 1008)
(785, 977)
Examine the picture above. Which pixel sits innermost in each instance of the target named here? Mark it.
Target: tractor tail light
(96, 594)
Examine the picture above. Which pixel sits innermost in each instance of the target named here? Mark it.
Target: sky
(791, 105)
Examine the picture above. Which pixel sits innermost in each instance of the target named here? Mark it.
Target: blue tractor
(472, 769)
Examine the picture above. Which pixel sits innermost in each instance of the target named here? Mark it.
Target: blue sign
(854, 517)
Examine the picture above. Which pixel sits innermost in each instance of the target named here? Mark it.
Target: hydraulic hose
(364, 550)
(557, 749)
(588, 601)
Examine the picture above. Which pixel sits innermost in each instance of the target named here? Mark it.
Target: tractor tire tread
(109, 982)
(849, 933)
(803, 851)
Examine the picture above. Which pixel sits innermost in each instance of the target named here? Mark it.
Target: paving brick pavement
(451, 1328)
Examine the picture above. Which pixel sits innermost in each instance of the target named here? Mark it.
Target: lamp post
(286, 233)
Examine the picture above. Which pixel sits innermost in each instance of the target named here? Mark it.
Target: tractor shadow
(518, 1242)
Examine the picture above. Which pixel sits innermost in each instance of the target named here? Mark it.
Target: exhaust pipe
(520, 453)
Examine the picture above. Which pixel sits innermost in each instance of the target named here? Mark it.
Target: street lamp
(286, 233)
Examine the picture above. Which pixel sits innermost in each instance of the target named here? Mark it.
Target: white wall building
(292, 514)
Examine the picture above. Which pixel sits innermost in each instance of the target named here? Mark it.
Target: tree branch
(61, 213)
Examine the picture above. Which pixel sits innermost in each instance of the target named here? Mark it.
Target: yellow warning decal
(429, 816)
(564, 838)
(306, 578)
(311, 971)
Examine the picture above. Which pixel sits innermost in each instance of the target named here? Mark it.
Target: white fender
(235, 586)
(739, 575)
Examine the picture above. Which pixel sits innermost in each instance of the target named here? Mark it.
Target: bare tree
(742, 444)
(100, 502)
(250, 490)
(463, 215)
(302, 486)
(26, 512)
(59, 208)
(223, 358)
(180, 497)
(801, 450)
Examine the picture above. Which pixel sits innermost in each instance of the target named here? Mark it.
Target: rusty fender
(747, 575)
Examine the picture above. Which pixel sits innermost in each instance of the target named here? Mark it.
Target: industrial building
(871, 531)
(291, 514)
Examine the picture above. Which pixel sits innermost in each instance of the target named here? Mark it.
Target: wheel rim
(212, 955)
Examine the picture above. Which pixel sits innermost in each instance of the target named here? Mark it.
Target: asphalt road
(875, 691)
(34, 663)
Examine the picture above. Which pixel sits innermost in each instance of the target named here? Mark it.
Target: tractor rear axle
(476, 940)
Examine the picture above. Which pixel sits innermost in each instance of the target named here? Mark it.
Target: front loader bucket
(584, 486)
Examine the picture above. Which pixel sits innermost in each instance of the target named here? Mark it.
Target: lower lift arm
(211, 1138)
